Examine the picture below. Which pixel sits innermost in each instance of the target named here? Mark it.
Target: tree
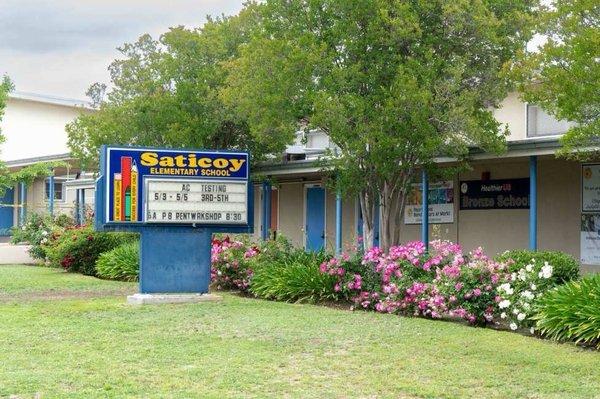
(394, 84)
(27, 174)
(166, 93)
(563, 76)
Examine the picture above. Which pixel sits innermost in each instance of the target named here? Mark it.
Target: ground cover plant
(87, 343)
(571, 312)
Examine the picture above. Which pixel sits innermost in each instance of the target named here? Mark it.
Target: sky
(61, 47)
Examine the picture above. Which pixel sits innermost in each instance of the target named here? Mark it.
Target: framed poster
(590, 188)
(441, 203)
(590, 239)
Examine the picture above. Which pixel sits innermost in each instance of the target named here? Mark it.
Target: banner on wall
(494, 194)
(441, 203)
(590, 239)
(590, 188)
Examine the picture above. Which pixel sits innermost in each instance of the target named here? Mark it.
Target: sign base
(157, 299)
(174, 260)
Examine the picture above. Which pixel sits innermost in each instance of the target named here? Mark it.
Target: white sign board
(196, 201)
(590, 239)
(590, 188)
(441, 203)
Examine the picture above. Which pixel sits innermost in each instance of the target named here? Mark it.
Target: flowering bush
(519, 292)
(408, 279)
(230, 263)
(40, 232)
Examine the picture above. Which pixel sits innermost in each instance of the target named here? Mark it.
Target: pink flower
(458, 286)
(476, 292)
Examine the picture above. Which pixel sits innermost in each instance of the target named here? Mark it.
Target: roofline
(515, 149)
(45, 158)
(50, 99)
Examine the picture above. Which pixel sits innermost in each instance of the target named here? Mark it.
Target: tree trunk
(367, 207)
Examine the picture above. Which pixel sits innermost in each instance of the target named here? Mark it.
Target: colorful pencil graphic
(134, 192)
(117, 197)
(126, 188)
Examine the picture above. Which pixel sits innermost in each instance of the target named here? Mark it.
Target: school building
(34, 127)
(525, 198)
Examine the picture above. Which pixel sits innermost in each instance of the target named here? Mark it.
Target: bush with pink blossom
(231, 266)
(440, 282)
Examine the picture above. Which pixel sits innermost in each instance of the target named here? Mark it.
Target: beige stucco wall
(34, 129)
(513, 113)
(291, 211)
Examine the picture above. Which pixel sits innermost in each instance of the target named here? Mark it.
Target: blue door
(6, 212)
(359, 226)
(315, 218)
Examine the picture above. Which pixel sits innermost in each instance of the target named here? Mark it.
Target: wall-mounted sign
(590, 239)
(494, 194)
(176, 187)
(441, 203)
(590, 188)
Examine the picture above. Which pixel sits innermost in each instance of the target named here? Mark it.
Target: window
(58, 190)
(540, 123)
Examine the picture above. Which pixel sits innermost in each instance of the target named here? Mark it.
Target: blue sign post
(176, 199)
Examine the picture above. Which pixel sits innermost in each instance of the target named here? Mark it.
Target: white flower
(532, 330)
(521, 316)
(516, 311)
(513, 276)
(527, 294)
(506, 288)
(513, 326)
(529, 267)
(526, 306)
(503, 315)
(533, 287)
(546, 271)
(504, 304)
(44, 233)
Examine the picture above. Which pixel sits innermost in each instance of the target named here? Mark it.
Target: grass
(88, 343)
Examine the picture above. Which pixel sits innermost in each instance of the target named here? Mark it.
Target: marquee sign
(494, 194)
(178, 187)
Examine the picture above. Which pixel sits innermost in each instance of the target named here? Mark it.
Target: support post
(425, 210)
(266, 210)
(82, 206)
(51, 195)
(338, 223)
(533, 203)
(77, 213)
(22, 202)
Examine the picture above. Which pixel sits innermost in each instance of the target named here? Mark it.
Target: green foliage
(565, 267)
(77, 249)
(563, 77)
(295, 278)
(121, 263)
(572, 312)
(40, 231)
(393, 84)
(166, 93)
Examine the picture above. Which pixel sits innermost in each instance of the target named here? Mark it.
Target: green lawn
(84, 341)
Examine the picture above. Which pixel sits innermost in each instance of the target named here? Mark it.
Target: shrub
(296, 279)
(120, 263)
(77, 249)
(440, 282)
(566, 268)
(519, 293)
(571, 312)
(39, 231)
(230, 263)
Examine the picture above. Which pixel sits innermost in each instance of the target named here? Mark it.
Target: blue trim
(266, 210)
(23, 202)
(315, 219)
(425, 210)
(338, 223)
(533, 202)
(51, 195)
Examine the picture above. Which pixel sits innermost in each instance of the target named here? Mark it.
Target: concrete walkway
(15, 254)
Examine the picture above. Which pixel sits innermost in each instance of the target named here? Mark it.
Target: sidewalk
(15, 254)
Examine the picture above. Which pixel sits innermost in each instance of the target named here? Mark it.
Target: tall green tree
(394, 84)
(166, 93)
(563, 76)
